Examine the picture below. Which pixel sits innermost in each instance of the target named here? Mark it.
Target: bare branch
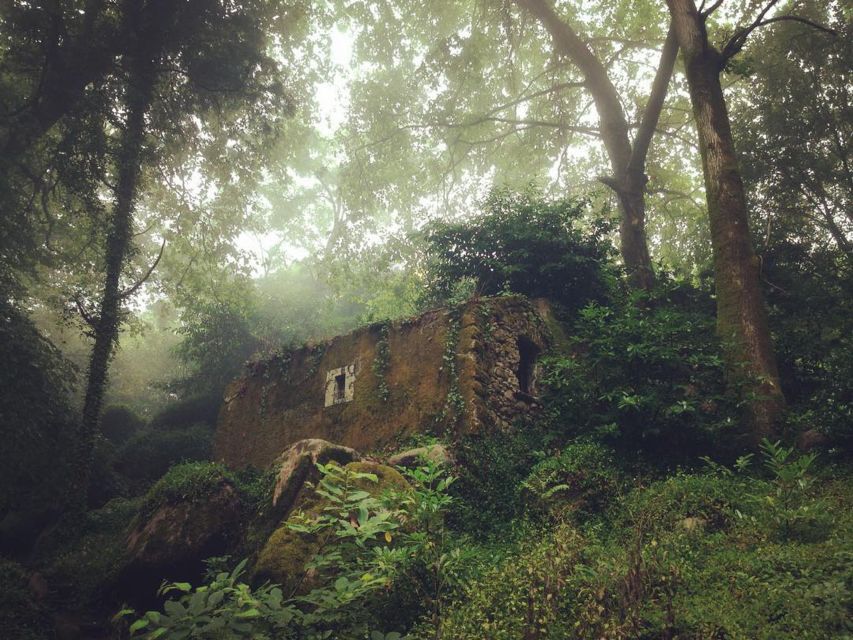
(707, 12)
(87, 317)
(129, 292)
(736, 42)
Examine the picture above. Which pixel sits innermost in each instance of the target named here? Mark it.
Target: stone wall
(449, 370)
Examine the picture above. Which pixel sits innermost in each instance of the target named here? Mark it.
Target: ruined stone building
(450, 371)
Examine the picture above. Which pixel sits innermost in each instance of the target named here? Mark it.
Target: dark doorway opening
(340, 387)
(526, 372)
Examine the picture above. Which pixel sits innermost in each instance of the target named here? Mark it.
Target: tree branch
(651, 115)
(735, 44)
(707, 12)
(129, 292)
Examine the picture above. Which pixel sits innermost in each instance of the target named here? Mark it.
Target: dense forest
(198, 192)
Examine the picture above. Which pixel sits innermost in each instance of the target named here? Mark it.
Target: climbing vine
(454, 403)
(382, 361)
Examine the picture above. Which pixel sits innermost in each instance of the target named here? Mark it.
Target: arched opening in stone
(528, 351)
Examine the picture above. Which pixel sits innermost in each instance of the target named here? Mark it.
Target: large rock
(173, 542)
(298, 464)
(285, 554)
(436, 453)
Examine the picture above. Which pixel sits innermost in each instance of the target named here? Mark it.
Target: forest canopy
(188, 189)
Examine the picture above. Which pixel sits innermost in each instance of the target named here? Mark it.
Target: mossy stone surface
(283, 558)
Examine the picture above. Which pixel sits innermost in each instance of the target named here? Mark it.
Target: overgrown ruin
(457, 370)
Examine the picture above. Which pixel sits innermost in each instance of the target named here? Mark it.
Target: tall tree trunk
(741, 312)
(627, 161)
(140, 87)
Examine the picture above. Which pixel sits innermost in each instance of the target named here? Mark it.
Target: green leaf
(139, 624)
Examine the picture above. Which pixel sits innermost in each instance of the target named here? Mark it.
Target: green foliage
(381, 362)
(514, 596)
(150, 453)
(193, 410)
(815, 348)
(789, 507)
(224, 608)
(364, 547)
(522, 243)
(118, 423)
(21, 618)
(82, 555)
(491, 470)
(191, 481)
(36, 416)
(217, 341)
(577, 482)
(691, 555)
(646, 373)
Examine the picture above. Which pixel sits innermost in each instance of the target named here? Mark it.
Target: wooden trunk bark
(741, 312)
(627, 161)
(140, 86)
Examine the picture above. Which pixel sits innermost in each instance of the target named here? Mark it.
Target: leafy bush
(118, 423)
(522, 243)
(37, 422)
(577, 482)
(811, 313)
(491, 468)
(82, 556)
(195, 410)
(518, 596)
(646, 373)
(105, 483)
(789, 507)
(148, 455)
(21, 618)
(190, 481)
(366, 542)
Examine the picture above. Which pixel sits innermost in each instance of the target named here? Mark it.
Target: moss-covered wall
(433, 373)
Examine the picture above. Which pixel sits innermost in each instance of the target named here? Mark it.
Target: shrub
(190, 481)
(491, 468)
(522, 243)
(21, 618)
(577, 482)
(118, 423)
(362, 547)
(37, 421)
(194, 410)
(644, 373)
(83, 555)
(519, 596)
(149, 454)
(104, 482)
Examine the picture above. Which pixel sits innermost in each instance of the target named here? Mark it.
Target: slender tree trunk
(140, 88)
(627, 161)
(741, 312)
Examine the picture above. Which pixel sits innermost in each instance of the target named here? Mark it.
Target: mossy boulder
(298, 465)
(436, 453)
(286, 552)
(193, 513)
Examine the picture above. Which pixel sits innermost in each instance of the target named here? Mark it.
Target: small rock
(436, 453)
